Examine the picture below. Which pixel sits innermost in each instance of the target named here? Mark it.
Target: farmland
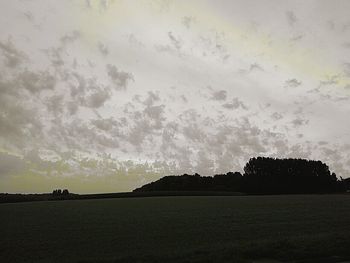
(293, 228)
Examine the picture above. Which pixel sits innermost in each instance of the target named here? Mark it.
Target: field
(299, 228)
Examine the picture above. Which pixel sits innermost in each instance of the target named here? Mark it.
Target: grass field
(299, 228)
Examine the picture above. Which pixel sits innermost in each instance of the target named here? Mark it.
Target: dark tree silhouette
(228, 182)
(275, 176)
(261, 176)
(59, 192)
(346, 183)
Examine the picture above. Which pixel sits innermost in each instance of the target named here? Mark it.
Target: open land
(279, 228)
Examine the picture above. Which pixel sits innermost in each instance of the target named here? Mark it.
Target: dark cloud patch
(299, 151)
(97, 98)
(296, 38)
(183, 159)
(72, 107)
(235, 104)
(152, 97)
(142, 129)
(187, 21)
(105, 124)
(134, 41)
(215, 45)
(332, 154)
(299, 122)
(13, 57)
(79, 85)
(35, 82)
(8, 88)
(55, 104)
(138, 133)
(19, 123)
(194, 132)
(276, 116)
(55, 56)
(176, 42)
(220, 138)
(168, 135)
(249, 136)
(119, 78)
(255, 67)
(226, 145)
(292, 83)
(155, 112)
(79, 135)
(291, 18)
(190, 115)
(164, 48)
(219, 95)
(29, 16)
(102, 48)
(143, 124)
(70, 37)
(322, 143)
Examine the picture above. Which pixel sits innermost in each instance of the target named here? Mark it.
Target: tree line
(59, 192)
(262, 175)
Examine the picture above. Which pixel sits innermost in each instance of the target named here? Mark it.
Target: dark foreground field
(313, 228)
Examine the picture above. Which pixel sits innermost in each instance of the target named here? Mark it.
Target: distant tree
(346, 184)
(269, 175)
(65, 192)
(228, 182)
(56, 192)
(59, 192)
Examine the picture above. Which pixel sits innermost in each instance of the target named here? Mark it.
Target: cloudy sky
(104, 96)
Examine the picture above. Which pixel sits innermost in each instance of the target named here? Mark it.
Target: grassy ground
(299, 228)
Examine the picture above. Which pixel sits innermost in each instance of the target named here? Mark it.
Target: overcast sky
(104, 96)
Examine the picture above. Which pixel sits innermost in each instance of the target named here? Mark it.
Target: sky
(105, 96)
